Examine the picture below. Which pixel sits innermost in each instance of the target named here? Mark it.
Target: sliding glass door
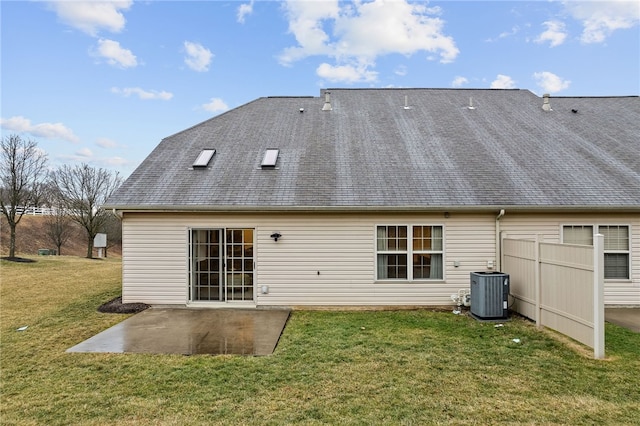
(221, 265)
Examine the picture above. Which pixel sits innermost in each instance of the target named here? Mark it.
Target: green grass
(368, 367)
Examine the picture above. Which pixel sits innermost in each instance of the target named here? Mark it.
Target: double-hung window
(410, 253)
(616, 251)
(616, 246)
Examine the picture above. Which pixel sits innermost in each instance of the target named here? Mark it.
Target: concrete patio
(192, 331)
(225, 331)
(624, 317)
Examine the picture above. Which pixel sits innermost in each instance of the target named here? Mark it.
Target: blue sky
(103, 82)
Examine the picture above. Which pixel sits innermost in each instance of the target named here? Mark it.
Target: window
(409, 252)
(204, 157)
(616, 251)
(578, 234)
(270, 158)
(616, 246)
(392, 252)
(427, 252)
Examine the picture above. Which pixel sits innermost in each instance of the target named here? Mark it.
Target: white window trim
(596, 229)
(409, 254)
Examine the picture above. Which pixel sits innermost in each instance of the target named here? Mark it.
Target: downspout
(498, 242)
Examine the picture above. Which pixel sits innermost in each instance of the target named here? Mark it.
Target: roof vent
(327, 102)
(545, 102)
(471, 104)
(406, 102)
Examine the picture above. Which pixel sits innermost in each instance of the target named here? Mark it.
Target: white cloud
(215, 105)
(107, 143)
(459, 81)
(359, 32)
(503, 82)
(505, 34)
(44, 130)
(198, 57)
(142, 94)
(64, 158)
(115, 161)
(601, 18)
(550, 82)
(346, 73)
(306, 24)
(92, 16)
(115, 54)
(16, 124)
(555, 33)
(401, 70)
(84, 152)
(86, 156)
(244, 10)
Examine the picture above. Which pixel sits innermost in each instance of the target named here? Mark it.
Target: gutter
(499, 241)
(359, 209)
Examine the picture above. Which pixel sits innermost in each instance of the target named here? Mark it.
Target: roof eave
(353, 209)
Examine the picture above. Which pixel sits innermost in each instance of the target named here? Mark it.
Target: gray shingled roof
(369, 152)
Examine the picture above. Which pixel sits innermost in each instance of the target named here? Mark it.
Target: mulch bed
(18, 259)
(115, 306)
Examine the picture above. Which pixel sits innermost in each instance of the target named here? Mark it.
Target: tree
(113, 229)
(58, 225)
(83, 190)
(22, 169)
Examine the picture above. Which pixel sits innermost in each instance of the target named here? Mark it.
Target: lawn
(330, 367)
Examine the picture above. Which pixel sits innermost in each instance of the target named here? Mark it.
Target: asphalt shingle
(371, 152)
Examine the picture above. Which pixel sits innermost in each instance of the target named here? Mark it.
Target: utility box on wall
(489, 295)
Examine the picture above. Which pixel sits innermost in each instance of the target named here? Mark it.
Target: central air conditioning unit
(489, 295)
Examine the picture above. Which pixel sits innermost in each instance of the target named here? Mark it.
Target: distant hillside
(31, 236)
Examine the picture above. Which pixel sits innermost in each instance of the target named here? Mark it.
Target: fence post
(598, 296)
(538, 286)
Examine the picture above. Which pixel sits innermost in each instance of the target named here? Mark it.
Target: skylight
(204, 158)
(270, 158)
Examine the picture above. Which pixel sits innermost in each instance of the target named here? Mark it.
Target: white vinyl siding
(153, 261)
(622, 292)
(320, 259)
(330, 259)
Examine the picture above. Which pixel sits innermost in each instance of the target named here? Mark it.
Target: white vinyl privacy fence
(560, 286)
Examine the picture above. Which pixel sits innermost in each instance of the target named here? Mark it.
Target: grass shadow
(18, 259)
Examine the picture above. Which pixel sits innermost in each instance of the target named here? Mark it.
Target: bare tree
(58, 226)
(22, 169)
(113, 229)
(83, 190)
(41, 194)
